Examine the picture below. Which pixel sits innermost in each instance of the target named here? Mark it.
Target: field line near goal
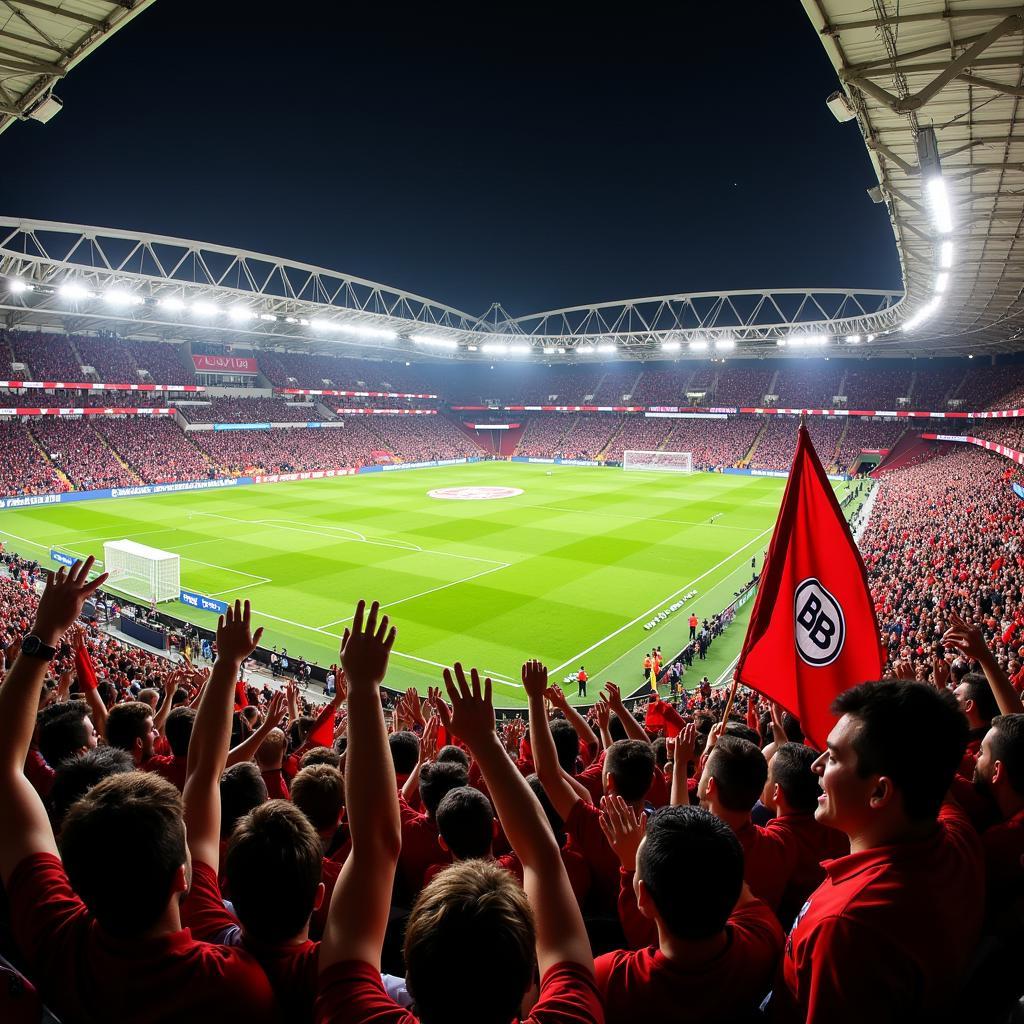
(663, 601)
(645, 519)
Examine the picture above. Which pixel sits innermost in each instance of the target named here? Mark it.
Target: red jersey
(575, 867)
(277, 788)
(768, 861)
(172, 768)
(1004, 846)
(646, 985)
(290, 967)
(351, 992)
(84, 973)
(889, 934)
(583, 827)
(811, 843)
(420, 848)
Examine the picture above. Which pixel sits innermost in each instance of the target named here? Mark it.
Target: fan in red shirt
(420, 847)
(717, 947)
(733, 778)
(889, 934)
(472, 947)
(98, 946)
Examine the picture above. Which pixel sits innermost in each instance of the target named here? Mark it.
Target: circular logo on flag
(474, 493)
(818, 624)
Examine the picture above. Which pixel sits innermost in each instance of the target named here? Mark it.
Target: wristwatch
(35, 648)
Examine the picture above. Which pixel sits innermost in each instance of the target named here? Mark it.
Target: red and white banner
(53, 385)
(349, 394)
(387, 412)
(225, 364)
(992, 446)
(493, 426)
(109, 411)
(315, 474)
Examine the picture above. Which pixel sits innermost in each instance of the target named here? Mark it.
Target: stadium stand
(249, 410)
(48, 356)
(81, 453)
(776, 442)
(111, 360)
(164, 363)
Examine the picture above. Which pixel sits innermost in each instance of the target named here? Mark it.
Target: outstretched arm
(557, 697)
(634, 730)
(545, 758)
(358, 915)
(26, 828)
(211, 734)
(271, 720)
(561, 936)
(968, 640)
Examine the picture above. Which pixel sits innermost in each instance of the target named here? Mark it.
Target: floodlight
(853, 339)
(927, 310)
(17, 286)
(172, 303)
(291, 319)
(870, 337)
(548, 350)
(71, 290)
(938, 200)
(698, 345)
(202, 308)
(364, 331)
(606, 349)
(941, 282)
(670, 346)
(268, 316)
(725, 344)
(842, 109)
(119, 297)
(433, 340)
(240, 313)
(946, 255)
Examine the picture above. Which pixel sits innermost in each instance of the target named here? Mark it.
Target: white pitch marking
(665, 600)
(645, 519)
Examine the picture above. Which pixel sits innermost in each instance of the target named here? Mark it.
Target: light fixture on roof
(853, 339)
(607, 349)
(780, 342)
(870, 337)
(472, 348)
(291, 319)
(725, 344)
(433, 341)
(171, 303)
(119, 297)
(946, 255)
(941, 282)
(495, 348)
(934, 184)
(670, 346)
(842, 109)
(204, 308)
(268, 316)
(365, 331)
(698, 345)
(927, 310)
(240, 314)
(320, 324)
(549, 350)
(73, 290)
(16, 286)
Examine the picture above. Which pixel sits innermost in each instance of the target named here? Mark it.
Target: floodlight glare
(941, 282)
(606, 349)
(291, 319)
(433, 340)
(364, 331)
(240, 314)
(927, 310)
(119, 297)
(938, 199)
(946, 255)
(268, 316)
(670, 346)
(202, 308)
(725, 344)
(698, 346)
(172, 303)
(17, 286)
(871, 337)
(549, 350)
(853, 339)
(70, 290)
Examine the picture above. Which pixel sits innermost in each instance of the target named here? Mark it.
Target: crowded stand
(157, 449)
(421, 438)
(543, 436)
(80, 453)
(587, 436)
(808, 387)
(775, 443)
(163, 362)
(876, 388)
(619, 384)
(25, 469)
(248, 410)
(48, 356)
(934, 387)
(714, 443)
(738, 385)
(109, 358)
(239, 452)
(871, 434)
(638, 433)
(663, 386)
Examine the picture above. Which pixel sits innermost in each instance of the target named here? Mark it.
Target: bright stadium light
(364, 331)
(780, 342)
(607, 349)
(119, 297)
(291, 319)
(725, 344)
(17, 286)
(320, 324)
(670, 346)
(472, 348)
(71, 290)
(941, 282)
(549, 350)
(938, 200)
(171, 303)
(927, 310)
(586, 350)
(494, 348)
(853, 339)
(946, 255)
(202, 308)
(240, 314)
(433, 341)
(268, 316)
(870, 337)
(698, 345)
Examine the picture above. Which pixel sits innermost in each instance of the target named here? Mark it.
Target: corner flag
(813, 632)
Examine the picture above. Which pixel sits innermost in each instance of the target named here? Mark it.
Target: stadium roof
(40, 42)
(955, 68)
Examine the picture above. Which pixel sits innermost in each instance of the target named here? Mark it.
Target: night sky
(513, 154)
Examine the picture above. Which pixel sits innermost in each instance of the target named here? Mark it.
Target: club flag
(322, 733)
(661, 715)
(812, 633)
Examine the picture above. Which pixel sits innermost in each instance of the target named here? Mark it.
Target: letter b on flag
(818, 625)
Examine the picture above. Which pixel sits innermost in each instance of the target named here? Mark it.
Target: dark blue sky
(498, 153)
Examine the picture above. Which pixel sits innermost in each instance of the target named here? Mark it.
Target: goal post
(146, 573)
(659, 462)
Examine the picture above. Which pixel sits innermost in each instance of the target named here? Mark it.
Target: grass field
(568, 571)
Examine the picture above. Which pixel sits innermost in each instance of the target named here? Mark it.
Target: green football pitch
(568, 571)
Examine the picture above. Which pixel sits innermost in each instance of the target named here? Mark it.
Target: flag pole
(732, 697)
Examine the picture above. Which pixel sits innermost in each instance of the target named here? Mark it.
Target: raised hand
(623, 828)
(365, 649)
(472, 711)
(535, 679)
(413, 707)
(340, 688)
(940, 672)
(439, 707)
(965, 638)
(556, 695)
(235, 640)
(613, 694)
(61, 604)
(684, 747)
(604, 714)
(276, 711)
(428, 741)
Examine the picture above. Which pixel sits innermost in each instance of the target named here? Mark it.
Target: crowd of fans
(109, 359)
(250, 410)
(80, 453)
(155, 448)
(48, 356)
(776, 443)
(867, 433)
(25, 469)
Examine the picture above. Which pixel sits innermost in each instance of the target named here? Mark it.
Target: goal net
(662, 462)
(148, 574)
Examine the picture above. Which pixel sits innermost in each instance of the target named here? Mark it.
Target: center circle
(473, 493)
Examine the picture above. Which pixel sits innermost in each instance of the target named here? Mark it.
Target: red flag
(322, 733)
(813, 632)
(661, 715)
